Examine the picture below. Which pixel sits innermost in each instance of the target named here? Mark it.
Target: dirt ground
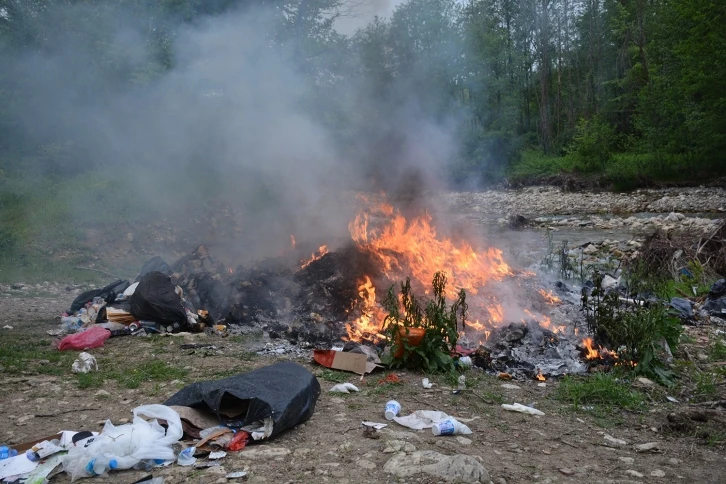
(563, 446)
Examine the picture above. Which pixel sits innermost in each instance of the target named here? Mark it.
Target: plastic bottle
(99, 465)
(450, 426)
(393, 408)
(71, 323)
(6, 452)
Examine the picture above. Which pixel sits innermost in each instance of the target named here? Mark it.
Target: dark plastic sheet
(285, 391)
(155, 300)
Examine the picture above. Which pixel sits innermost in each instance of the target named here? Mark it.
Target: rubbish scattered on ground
(186, 457)
(671, 399)
(16, 466)
(465, 362)
(345, 361)
(7, 326)
(518, 407)
(84, 363)
(125, 446)
(393, 408)
(462, 382)
(344, 388)
(204, 465)
(156, 299)
(424, 419)
(236, 475)
(510, 386)
(374, 425)
(91, 338)
(426, 383)
(217, 455)
(40, 474)
(504, 376)
(263, 402)
(450, 426)
(6, 452)
(239, 441)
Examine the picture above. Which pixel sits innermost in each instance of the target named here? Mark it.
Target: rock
(608, 282)
(456, 468)
(17, 286)
(463, 440)
(398, 446)
(613, 441)
(674, 462)
(647, 446)
(102, 394)
(510, 386)
(365, 464)
(263, 453)
(646, 382)
(566, 471)
(589, 250)
(633, 473)
(657, 473)
(626, 460)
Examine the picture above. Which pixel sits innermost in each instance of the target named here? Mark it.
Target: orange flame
(370, 322)
(594, 354)
(413, 245)
(549, 297)
(322, 250)
(540, 376)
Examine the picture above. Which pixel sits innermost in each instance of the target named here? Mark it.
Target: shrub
(441, 324)
(592, 144)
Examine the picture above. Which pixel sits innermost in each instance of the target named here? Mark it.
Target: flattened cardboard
(339, 360)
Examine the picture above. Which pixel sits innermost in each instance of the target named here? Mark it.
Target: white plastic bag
(130, 443)
(84, 363)
(518, 407)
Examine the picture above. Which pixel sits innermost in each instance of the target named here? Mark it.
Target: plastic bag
(107, 293)
(90, 338)
(284, 392)
(155, 264)
(130, 443)
(155, 300)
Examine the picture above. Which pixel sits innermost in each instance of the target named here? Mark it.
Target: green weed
(334, 376)
(598, 389)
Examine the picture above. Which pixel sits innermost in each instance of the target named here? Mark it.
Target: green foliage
(592, 145)
(641, 332)
(441, 325)
(334, 376)
(599, 389)
(534, 164)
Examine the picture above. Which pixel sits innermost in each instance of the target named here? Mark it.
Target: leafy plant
(439, 322)
(644, 332)
(592, 144)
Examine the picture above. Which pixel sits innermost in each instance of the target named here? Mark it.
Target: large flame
(412, 248)
(597, 354)
(322, 250)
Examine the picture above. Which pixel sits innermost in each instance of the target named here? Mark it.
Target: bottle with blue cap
(99, 465)
(6, 452)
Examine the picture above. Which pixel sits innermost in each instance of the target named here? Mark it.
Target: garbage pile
(152, 304)
(205, 419)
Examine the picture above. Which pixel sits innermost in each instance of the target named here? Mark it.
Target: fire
(600, 353)
(549, 297)
(540, 376)
(370, 322)
(322, 250)
(413, 245)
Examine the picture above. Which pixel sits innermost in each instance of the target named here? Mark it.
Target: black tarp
(108, 293)
(285, 391)
(155, 300)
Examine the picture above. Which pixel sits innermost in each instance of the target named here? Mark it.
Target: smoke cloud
(236, 121)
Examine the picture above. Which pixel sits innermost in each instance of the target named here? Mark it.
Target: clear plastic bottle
(100, 465)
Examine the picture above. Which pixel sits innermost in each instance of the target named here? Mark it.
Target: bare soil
(563, 446)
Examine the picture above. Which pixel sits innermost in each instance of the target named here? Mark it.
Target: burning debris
(512, 323)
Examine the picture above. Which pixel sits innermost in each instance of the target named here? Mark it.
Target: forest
(631, 91)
